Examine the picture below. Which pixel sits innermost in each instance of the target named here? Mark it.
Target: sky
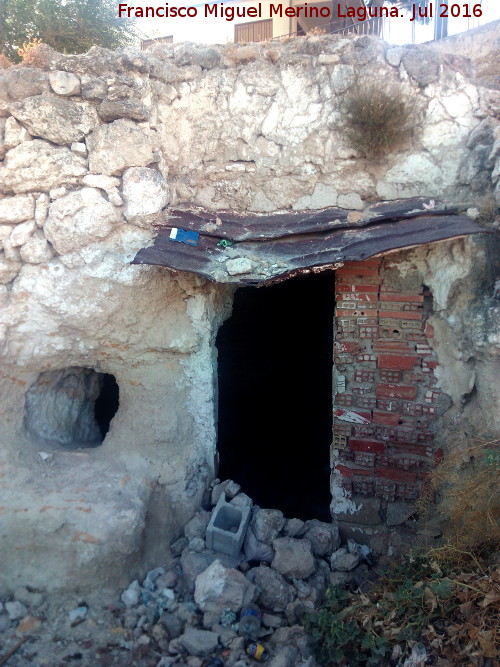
(217, 31)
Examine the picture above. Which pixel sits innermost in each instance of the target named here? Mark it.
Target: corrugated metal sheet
(282, 245)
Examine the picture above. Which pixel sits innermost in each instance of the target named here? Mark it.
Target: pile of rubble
(189, 613)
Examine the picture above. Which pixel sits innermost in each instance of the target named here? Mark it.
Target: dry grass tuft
(378, 120)
(469, 483)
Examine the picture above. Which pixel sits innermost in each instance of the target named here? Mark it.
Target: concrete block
(227, 527)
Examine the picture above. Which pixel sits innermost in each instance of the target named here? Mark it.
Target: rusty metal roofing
(274, 247)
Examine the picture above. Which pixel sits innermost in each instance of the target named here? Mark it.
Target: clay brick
(406, 435)
(431, 396)
(347, 485)
(403, 362)
(342, 428)
(415, 336)
(361, 310)
(390, 376)
(347, 347)
(344, 399)
(368, 332)
(363, 431)
(349, 272)
(363, 487)
(365, 402)
(370, 263)
(392, 332)
(399, 315)
(412, 408)
(364, 376)
(358, 445)
(343, 359)
(398, 345)
(339, 287)
(344, 470)
(396, 391)
(358, 297)
(399, 296)
(407, 492)
(429, 330)
(364, 459)
(438, 456)
(396, 475)
(353, 417)
(388, 404)
(385, 490)
(386, 418)
(413, 377)
(425, 451)
(360, 391)
(366, 357)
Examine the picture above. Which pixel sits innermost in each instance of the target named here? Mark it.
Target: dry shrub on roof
(379, 120)
(33, 53)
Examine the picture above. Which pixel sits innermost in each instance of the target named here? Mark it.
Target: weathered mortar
(93, 148)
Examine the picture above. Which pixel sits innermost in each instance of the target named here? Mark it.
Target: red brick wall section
(382, 419)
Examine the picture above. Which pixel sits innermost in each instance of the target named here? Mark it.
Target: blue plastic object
(184, 236)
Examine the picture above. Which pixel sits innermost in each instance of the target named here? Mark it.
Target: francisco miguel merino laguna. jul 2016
(229, 13)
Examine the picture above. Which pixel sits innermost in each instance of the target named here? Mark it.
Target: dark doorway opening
(275, 356)
(107, 403)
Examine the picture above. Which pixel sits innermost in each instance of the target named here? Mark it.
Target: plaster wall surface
(93, 149)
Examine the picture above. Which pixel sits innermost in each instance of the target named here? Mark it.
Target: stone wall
(94, 147)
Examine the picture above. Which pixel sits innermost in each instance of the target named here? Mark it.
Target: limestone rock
(60, 408)
(275, 593)
(8, 269)
(393, 55)
(130, 597)
(197, 526)
(94, 88)
(41, 209)
(79, 148)
(101, 181)
(119, 145)
(343, 561)
(21, 233)
(293, 558)
(239, 265)
(5, 231)
(294, 528)
(24, 82)
(218, 588)
(54, 118)
(422, 65)
(199, 642)
(37, 165)
(15, 610)
(146, 193)
(324, 537)
(130, 108)
(15, 133)
(193, 564)
(267, 524)
(64, 83)
(78, 219)
(27, 597)
(351, 201)
(36, 250)
(17, 209)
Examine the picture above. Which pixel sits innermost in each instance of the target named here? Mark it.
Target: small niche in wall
(71, 408)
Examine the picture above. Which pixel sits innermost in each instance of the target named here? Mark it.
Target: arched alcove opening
(275, 356)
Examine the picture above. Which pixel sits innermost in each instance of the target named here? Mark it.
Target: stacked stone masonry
(386, 398)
